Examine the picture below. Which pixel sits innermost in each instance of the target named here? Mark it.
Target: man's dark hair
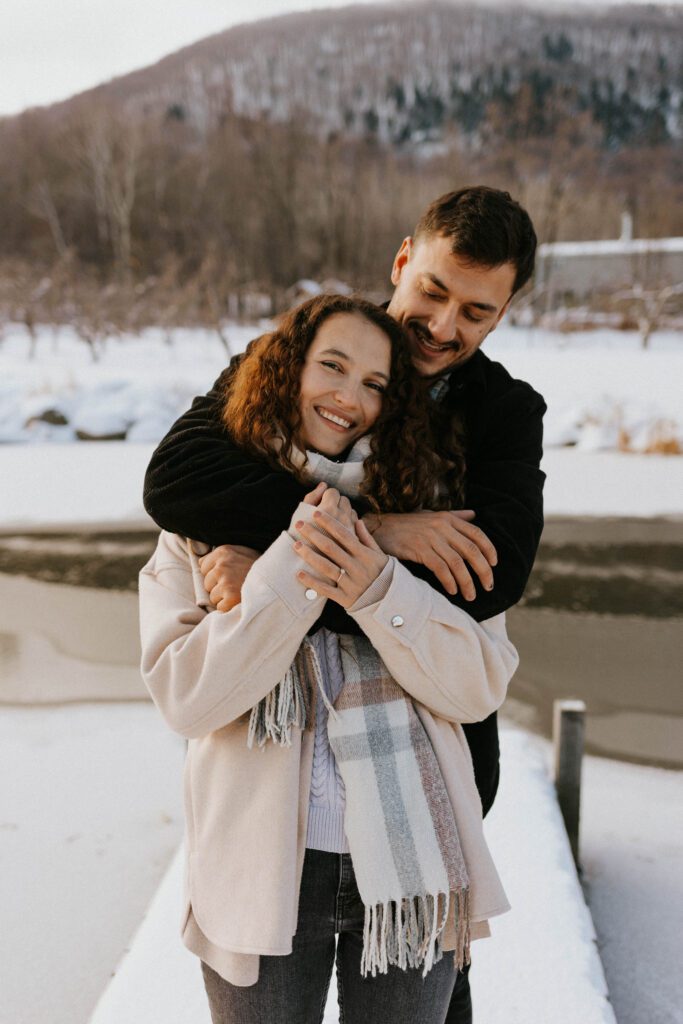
(486, 226)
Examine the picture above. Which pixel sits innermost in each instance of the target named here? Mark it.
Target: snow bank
(602, 389)
(135, 391)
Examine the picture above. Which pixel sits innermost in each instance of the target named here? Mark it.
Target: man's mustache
(424, 334)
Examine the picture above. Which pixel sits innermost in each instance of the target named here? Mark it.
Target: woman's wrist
(377, 590)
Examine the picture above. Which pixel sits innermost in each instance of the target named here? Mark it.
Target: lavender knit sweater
(327, 801)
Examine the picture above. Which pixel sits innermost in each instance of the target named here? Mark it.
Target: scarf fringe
(273, 717)
(409, 932)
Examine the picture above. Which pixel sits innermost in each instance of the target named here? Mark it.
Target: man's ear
(400, 259)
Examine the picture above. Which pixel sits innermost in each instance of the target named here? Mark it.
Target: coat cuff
(402, 611)
(377, 590)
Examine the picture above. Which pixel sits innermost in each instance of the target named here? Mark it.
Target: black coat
(201, 485)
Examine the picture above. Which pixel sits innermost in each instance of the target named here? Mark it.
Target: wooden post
(568, 735)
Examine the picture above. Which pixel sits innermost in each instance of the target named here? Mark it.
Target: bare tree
(647, 306)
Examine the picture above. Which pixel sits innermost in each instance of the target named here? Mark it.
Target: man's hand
(445, 542)
(225, 570)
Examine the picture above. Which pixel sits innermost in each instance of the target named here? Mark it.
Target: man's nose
(443, 324)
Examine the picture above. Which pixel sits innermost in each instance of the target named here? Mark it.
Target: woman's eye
(375, 386)
(330, 365)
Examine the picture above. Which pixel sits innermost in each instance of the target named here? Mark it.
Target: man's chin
(437, 367)
(435, 364)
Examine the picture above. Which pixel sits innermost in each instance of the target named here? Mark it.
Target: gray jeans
(293, 989)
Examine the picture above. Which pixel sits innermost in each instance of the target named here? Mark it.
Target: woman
(359, 815)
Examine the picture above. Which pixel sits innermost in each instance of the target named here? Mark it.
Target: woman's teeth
(335, 419)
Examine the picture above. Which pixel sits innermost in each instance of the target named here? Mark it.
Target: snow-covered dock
(541, 963)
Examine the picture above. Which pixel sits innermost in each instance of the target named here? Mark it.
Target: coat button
(397, 620)
(311, 594)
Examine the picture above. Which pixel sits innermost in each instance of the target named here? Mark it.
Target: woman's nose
(347, 395)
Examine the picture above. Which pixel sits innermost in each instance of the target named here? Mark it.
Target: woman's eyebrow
(342, 355)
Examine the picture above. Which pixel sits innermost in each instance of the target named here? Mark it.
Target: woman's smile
(335, 420)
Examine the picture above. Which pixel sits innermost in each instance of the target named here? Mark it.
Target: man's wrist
(373, 521)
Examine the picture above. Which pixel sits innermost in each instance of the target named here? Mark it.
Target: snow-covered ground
(632, 854)
(91, 814)
(602, 389)
(100, 483)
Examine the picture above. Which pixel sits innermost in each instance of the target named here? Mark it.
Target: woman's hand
(337, 505)
(342, 553)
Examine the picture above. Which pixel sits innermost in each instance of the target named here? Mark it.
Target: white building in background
(579, 269)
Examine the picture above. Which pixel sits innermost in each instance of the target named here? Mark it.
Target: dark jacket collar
(473, 373)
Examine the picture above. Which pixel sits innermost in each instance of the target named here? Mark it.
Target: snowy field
(602, 389)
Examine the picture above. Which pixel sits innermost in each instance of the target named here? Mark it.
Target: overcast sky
(51, 49)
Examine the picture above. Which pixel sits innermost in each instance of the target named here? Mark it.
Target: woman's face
(345, 373)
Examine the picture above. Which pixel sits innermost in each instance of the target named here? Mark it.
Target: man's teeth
(335, 419)
(433, 346)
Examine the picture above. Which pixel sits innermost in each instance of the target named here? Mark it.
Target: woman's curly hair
(406, 461)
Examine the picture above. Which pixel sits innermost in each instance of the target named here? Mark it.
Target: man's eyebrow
(483, 306)
(342, 355)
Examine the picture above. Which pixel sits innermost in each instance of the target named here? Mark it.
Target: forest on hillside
(306, 146)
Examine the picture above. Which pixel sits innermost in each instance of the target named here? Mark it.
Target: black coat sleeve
(200, 484)
(504, 486)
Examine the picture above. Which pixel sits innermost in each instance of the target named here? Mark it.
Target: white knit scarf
(399, 822)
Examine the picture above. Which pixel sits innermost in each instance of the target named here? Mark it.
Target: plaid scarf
(399, 822)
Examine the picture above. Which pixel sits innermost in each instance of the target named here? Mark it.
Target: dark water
(601, 620)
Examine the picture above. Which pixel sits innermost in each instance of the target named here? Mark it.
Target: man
(471, 251)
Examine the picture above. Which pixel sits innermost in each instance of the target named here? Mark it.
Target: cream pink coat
(245, 809)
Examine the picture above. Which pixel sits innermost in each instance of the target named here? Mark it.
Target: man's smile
(427, 343)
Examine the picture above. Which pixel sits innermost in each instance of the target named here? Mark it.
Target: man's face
(448, 306)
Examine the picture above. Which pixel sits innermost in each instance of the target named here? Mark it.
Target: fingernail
(299, 524)
(317, 515)
(489, 586)
(297, 545)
